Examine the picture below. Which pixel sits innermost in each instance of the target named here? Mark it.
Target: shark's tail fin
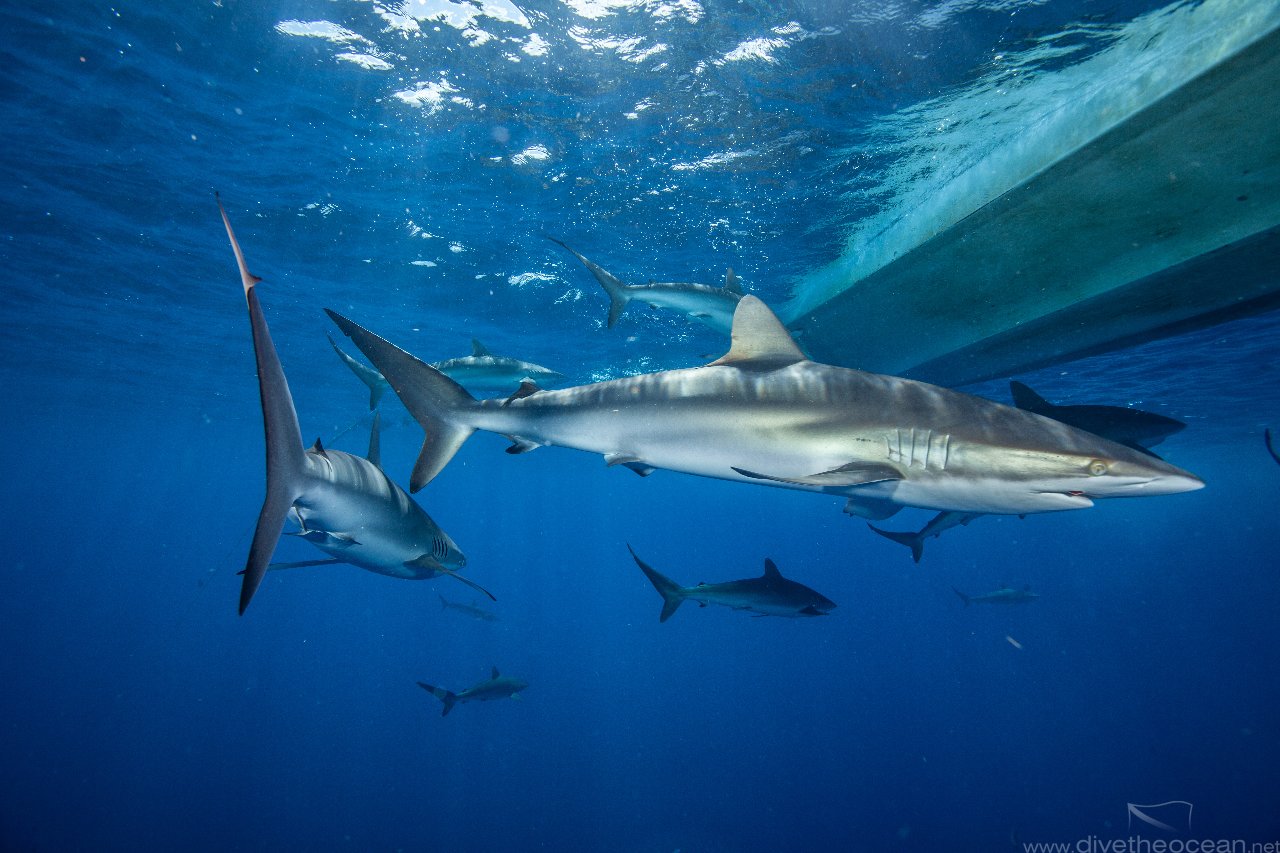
(963, 597)
(436, 402)
(448, 697)
(285, 457)
(914, 541)
(619, 296)
(672, 593)
(377, 384)
(1026, 399)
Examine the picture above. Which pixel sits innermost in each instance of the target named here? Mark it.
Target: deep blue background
(139, 712)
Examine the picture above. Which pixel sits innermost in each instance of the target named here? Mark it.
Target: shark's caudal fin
(672, 593)
(618, 293)
(448, 697)
(1026, 399)
(435, 401)
(914, 541)
(370, 377)
(966, 599)
(285, 456)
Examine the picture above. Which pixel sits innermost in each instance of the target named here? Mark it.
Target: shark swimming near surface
(1004, 595)
(496, 687)
(765, 414)
(1121, 424)
(484, 370)
(344, 504)
(768, 595)
(712, 306)
(472, 610)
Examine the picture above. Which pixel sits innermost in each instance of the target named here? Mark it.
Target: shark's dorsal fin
(731, 282)
(758, 336)
(495, 673)
(375, 441)
(318, 448)
(478, 349)
(527, 389)
(1026, 399)
(771, 570)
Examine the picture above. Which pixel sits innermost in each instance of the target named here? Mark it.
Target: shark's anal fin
(852, 474)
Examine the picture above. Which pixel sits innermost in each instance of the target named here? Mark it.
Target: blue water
(664, 140)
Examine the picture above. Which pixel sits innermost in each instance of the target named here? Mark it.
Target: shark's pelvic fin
(285, 456)
(630, 462)
(875, 509)
(758, 336)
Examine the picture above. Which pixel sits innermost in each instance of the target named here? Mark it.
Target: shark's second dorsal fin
(495, 673)
(527, 389)
(759, 336)
(771, 570)
(478, 349)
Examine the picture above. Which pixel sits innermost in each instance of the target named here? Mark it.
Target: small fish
(496, 687)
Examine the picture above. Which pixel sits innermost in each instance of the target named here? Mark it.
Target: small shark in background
(471, 610)
(763, 413)
(712, 306)
(1271, 448)
(768, 595)
(1003, 595)
(939, 523)
(344, 504)
(483, 369)
(1121, 424)
(376, 381)
(496, 687)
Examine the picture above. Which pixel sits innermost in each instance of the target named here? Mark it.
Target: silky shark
(344, 504)
(471, 610)
(1003, 595)
(496, 687)
(484, 370)
(768, 595)
(765, 414)
(1123, 425)
(710, 305)
(914, 540)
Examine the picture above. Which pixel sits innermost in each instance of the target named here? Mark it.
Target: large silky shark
(765, 414)
(496, 687)
(1123, 425)
(768, 595)
(713, 306)
(344, 504)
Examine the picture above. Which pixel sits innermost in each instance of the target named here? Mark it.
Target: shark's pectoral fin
(875, 509)
(852, 474)
(630, 462)
(301, 564)
(427, 561)
(521, 445)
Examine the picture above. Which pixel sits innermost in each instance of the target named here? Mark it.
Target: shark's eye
(1097, 468)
